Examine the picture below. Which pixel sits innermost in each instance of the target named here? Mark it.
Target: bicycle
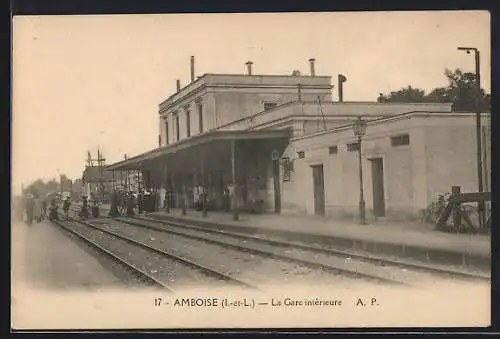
(432, 213)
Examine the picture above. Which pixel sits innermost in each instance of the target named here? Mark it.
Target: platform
(43, 257)
(417, 242)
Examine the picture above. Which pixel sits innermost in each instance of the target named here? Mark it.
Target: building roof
(94, 174)
(464, 116)
(134, 163)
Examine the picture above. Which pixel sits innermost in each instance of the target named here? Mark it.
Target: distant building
(96, 182)
(78, 187)
(66, 185)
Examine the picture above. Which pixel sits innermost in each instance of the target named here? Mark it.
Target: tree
(407, 94)
(41, 187)
(461, 91)
(441, 94)
(36, 187)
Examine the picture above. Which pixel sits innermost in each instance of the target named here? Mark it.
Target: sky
(80, 82)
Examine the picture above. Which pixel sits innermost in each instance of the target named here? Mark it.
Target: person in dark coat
(84, 212)
(66, 205)
(95, 209)
(37, 208)
(226, 199)
(53, 215)
(140, 201)
(44, 209)
(85, 202)
(155, 201)
(147, 201)
(113, 211)
(130, 205)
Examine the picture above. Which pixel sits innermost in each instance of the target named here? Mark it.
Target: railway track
(335, 270)
(273, 248)
(139, 274)
(176, 263)
(434, 269)
(364, 263)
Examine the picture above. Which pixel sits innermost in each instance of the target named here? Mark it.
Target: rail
(269, 254)
(143, 276)
(206, 270)
(329, 251)
(435, 269)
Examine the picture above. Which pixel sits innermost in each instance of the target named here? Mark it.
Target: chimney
(178, 85)
(249, 67)
(311, 62)
(341, 79)
(192, 68)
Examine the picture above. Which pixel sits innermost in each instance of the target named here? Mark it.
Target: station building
(278, 143)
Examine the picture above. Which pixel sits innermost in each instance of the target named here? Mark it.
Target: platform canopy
(192, 143)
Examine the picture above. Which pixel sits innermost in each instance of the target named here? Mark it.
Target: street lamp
(359, 129)
(478, 131)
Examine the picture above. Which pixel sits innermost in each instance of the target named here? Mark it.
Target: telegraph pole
(478, 130)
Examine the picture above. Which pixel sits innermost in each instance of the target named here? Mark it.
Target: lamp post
(359, 129)
(478, 130)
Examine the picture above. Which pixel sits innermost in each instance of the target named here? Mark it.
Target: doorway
(319, 189)
(378, 187)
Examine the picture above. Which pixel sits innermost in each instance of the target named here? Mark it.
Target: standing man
(113, 211)
(85, 208)
(227, 198)
(95, 209)
(156, 201)
(37, 208)
(140, 201)
(146, 201)
(44, 208)
(53, 215)
(130, 204)
(29, 205)
(66, 205)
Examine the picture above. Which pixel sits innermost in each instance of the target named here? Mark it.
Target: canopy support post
(235, 188)
(203, 188)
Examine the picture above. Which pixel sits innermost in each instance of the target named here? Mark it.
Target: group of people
(94, 209)
(84, 211)
(35, 209)
(126, 203)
